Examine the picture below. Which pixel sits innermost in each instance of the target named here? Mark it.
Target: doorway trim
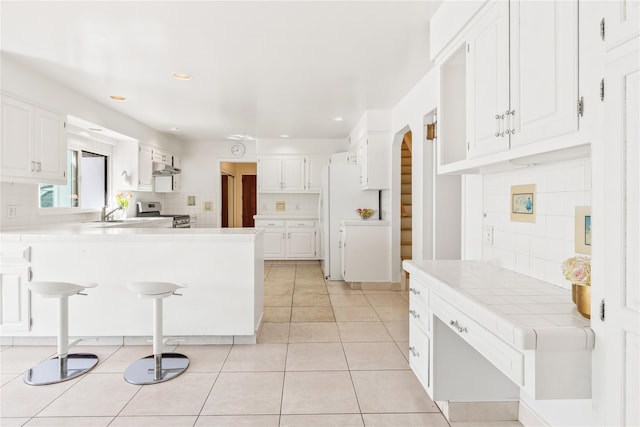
(219, 162)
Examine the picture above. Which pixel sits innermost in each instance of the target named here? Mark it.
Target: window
(86, 185)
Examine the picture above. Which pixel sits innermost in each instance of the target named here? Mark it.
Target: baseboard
(529, 418)
(374, 286)
(479, 411)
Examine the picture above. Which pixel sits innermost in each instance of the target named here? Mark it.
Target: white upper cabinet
(523, 75)
(544, 70)
(488, 82)
(374, 152)
(521, 86)
(621, 22)
(293, 174)
(313, 172)
(34, 143)
(145, 168)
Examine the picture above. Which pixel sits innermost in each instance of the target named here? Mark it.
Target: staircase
(405, 198)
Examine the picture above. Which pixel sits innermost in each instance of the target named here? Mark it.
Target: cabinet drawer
(301, 223)
(419, 354)
(266, 223)
(419, 313)
(499, 353)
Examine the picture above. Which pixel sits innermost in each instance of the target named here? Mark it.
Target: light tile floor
(327, 355)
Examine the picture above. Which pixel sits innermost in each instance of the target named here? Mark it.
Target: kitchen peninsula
(223, 270)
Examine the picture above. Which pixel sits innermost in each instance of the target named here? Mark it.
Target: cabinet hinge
(602, 90)
(602, 310)
(29, 274)
(581, 106)
(602, 33)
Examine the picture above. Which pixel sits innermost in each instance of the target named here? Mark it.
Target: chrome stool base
(57, 370)
(148, 371)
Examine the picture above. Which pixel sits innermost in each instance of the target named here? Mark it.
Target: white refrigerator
(340, 195)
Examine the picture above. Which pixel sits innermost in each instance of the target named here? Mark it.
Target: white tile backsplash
(536, 249)
(295, 204)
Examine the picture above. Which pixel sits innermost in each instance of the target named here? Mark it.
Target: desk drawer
(498, 352)
(301, 223)
(419, 354)
(268, 223)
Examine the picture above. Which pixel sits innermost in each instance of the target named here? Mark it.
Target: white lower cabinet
(293, 239)
(15, 312)
(365, 248)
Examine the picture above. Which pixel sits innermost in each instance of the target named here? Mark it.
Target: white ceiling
(262, 68)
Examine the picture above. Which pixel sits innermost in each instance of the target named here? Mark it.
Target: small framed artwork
(208, 206)
(523, 203)
(191, 200)
(583, 230)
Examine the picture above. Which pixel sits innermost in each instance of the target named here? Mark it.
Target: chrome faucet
(104, 216)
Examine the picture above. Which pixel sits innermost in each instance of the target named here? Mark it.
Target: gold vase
(573, 292)
(583, 300)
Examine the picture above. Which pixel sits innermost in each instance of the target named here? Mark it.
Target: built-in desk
(479, 332)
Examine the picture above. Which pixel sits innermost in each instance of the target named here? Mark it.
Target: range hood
(162, 169)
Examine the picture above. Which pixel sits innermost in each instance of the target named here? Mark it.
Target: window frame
(81, 143)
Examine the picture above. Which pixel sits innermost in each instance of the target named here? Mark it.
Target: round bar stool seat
(158, 367)
(64, 366)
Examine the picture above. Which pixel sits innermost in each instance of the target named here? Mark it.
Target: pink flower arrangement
(123, 199)
(577, 270)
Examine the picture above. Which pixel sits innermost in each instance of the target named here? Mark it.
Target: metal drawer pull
(414, 291)
(414, 314)
(414, 352)
(456, 325)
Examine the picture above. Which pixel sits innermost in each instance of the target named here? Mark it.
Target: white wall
(536, 249)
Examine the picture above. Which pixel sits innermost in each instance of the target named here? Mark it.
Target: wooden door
(249, 201)
(224, 220)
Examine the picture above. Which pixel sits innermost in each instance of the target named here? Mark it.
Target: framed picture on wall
(523, 203)
(583, 230)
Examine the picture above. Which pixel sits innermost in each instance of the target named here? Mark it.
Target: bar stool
(159, 366)
(64, 366)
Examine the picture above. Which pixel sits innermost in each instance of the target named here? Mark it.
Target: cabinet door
(293, 173)
(313, 172)
(544, 70)
(270, 174)
(17, 138)
(620, 268)
(50, 147)
(145, 168)
(15, 314)
(488, 82)
(301, 243)
(177, 179)
(419, 356)
(621, 21)
(274, 243)
(363, 159)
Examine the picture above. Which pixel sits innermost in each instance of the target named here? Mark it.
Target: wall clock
(237, 150)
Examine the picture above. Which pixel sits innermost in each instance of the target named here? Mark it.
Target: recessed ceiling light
(174, 129)
(284, 135)
(95, 129)
(181, 76)
(240, 137)
(338, 119)
(118, 98)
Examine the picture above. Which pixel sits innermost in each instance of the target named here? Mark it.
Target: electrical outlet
(488, 236)
(297, 206)
(12, 211)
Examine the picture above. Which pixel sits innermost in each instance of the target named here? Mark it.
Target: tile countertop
(526, 312)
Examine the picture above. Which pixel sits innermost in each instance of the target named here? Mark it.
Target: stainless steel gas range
(153, 209)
